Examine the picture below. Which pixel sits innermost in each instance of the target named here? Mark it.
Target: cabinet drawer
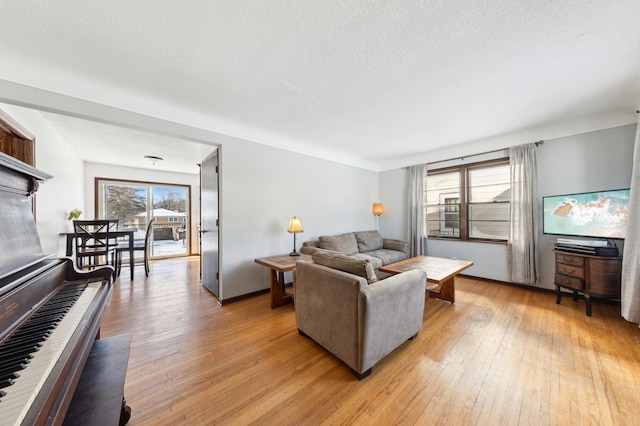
(569, 259)
(571, 282)
(571, 270)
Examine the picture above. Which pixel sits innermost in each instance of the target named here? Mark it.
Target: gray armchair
(358, 322)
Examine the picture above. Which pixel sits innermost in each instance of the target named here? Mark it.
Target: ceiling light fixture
(153, 159)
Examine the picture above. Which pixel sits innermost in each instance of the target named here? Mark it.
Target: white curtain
(630, 298)
(523, 218)
(417, 232)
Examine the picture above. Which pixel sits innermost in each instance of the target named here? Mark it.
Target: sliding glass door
(134, 204)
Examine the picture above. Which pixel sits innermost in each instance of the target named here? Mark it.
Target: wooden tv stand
(593, 276)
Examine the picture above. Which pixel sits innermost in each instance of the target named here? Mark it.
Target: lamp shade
(377, 209)
(295, 226)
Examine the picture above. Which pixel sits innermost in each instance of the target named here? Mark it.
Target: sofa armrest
(309, 249)
(391, 312)
(391, 244)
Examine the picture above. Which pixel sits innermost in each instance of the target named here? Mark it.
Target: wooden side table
(278, 265)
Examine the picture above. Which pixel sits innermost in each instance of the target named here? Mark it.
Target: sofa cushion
(341, 262)
(368, 240)
(388, 256)
(345, 243)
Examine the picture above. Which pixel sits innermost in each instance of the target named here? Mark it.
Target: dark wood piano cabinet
(50, 315)
(592, 276)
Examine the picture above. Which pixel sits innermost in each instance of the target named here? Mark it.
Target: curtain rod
(540, 142)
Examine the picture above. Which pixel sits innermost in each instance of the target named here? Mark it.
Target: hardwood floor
(500, 356)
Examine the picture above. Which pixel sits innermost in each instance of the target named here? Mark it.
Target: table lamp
(294, 227)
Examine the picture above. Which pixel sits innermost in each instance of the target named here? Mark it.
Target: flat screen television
(599, 214)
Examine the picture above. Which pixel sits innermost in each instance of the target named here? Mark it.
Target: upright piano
(50, 313)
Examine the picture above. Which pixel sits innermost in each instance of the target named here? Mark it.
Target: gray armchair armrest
(391, 312)
(391, 244)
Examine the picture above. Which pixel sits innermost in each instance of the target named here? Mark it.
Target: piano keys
(46, 348)
(18, 351)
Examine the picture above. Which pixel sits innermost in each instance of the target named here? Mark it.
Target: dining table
(129, 233)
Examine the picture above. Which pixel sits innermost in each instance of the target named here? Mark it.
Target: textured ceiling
(100, 143)
(369, 83)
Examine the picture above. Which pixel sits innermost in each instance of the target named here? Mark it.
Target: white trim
(16, 127)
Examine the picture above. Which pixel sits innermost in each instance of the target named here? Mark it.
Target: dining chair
(94, 243)
(137, 246)
(113, 225)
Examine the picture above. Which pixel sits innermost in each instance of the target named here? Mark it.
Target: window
(469, 202)
(135, 203)
(451, 212)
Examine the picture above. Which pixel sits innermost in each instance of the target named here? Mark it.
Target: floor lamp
(377, 210)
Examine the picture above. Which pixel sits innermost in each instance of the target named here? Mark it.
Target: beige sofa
(343, 307)
(367, 245)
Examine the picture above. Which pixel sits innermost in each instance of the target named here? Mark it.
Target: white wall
(264, 187)
(585, 162)
(97, 170)
(62, 193)
(393, 195)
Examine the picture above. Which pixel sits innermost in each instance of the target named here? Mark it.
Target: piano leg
(125, 413)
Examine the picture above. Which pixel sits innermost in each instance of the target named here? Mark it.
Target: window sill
(473, 240)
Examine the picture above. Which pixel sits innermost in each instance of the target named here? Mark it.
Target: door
(209, 224)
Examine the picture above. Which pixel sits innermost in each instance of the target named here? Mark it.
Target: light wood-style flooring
(500, 356)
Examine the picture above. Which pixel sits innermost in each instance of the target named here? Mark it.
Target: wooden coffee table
(440, 271)
(278, 266)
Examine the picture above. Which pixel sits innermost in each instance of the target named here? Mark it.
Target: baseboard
(249, 295)
(244, 296)
(542, 290)
(509, 283)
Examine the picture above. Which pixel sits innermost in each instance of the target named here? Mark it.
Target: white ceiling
(369, 83)
(104, 143)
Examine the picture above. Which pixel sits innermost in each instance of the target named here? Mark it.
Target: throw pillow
(368, 240)
(345, 243)
(341, 262)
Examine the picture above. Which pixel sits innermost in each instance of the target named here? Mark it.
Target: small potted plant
(74, 214)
